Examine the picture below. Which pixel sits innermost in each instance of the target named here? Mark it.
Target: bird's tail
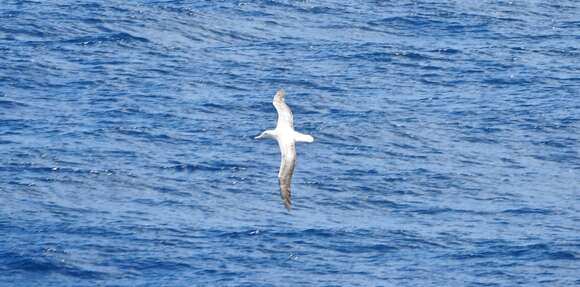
(299, 137)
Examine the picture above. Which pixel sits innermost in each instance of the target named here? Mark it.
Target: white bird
(287, 138)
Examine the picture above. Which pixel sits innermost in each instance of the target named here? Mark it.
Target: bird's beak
(259, 137)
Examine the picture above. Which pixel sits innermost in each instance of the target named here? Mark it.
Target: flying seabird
(287, 138)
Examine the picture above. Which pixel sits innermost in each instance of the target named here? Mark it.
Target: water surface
(446, 149)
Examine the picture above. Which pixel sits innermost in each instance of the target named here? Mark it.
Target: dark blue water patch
(8, 104)
(121, 38)
(563, 255)
(528, 211)
(47, 261)
(539, 252)
(409, 21)
(384, 204)
(434, 211)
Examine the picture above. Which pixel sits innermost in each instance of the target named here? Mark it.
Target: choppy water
(446, 148)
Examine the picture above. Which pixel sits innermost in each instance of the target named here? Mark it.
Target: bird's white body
(287, 138)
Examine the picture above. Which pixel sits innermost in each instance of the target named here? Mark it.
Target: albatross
(287, 138)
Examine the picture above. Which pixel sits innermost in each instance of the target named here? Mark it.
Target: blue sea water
(446, 153)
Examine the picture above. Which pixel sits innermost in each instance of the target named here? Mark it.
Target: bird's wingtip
(280, 93)
(288, 205)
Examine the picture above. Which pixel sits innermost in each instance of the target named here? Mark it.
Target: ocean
(446, 147)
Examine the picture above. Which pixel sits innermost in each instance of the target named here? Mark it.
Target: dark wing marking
(285, 117)
(287, 164)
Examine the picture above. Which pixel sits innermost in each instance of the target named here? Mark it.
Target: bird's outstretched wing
(285, 118)
(287, 164)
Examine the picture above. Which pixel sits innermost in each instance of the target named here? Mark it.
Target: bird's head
(269, 134)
